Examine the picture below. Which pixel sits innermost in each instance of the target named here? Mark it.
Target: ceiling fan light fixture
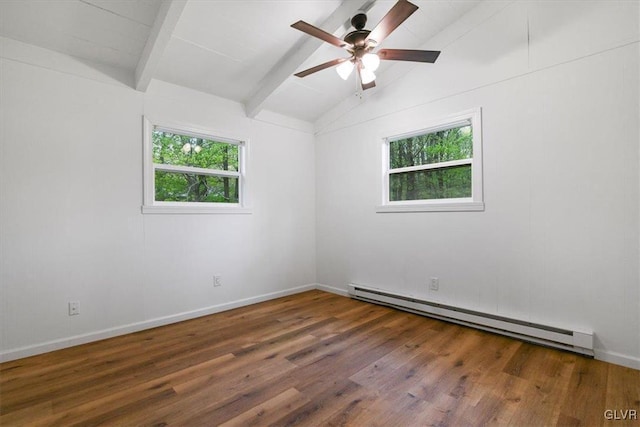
(371, 61)
(344, 70)
(367, 76)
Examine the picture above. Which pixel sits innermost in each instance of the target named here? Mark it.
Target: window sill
(432, 207)
(178, 210)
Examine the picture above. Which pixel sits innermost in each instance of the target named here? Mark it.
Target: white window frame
(473, 203)
(151, 206)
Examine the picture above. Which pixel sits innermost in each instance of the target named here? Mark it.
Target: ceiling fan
(361, 43)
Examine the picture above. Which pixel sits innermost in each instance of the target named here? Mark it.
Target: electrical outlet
(74, 308)
(217, 280)
(434, 285)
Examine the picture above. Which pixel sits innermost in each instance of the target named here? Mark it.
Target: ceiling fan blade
(396, 16)
(321, 34)
(321, 67)
(408, 55)
(369, 85)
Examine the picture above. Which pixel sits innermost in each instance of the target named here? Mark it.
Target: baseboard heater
(578, 342)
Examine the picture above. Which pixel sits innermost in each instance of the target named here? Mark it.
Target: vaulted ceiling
(242, 50)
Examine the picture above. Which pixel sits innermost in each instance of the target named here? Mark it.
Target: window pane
(445, 183)
(186, 187)
(184, 150)
(436, 147)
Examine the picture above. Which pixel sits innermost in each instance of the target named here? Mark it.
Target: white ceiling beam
(299, 53)
(163, 26)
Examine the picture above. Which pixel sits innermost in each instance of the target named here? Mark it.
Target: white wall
(558, 83)
(71, 222)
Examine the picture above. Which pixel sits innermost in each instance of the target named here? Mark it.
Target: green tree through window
(435, 165)
(194, 169)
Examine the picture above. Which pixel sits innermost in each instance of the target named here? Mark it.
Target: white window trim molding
(151, 206)
(473, 203)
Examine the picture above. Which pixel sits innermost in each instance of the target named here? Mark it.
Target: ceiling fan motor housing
(358, 38)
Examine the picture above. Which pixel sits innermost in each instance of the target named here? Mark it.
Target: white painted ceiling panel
(434, 16)
(81, 28)
(296, 99)
(142, 11)
(193, 66)
(239, 43)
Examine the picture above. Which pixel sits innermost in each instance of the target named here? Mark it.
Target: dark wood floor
(314, 359)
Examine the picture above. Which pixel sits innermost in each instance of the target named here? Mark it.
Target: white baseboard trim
(332, 289)
(617, 358)
(31, 350)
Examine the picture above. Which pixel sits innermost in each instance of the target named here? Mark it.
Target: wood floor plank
(404, 411)
(333, 346)
(314, 359)
(622, 390)
(213, 398)
(237, 401)
(115, 415)
(351, 409)
(269, 411)
(511, 390)
(351, 318)
(283, 337)
(580, 401)
(450, 373)
(323, 404)
(81, 409)
(25, 416)
(384, 372)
